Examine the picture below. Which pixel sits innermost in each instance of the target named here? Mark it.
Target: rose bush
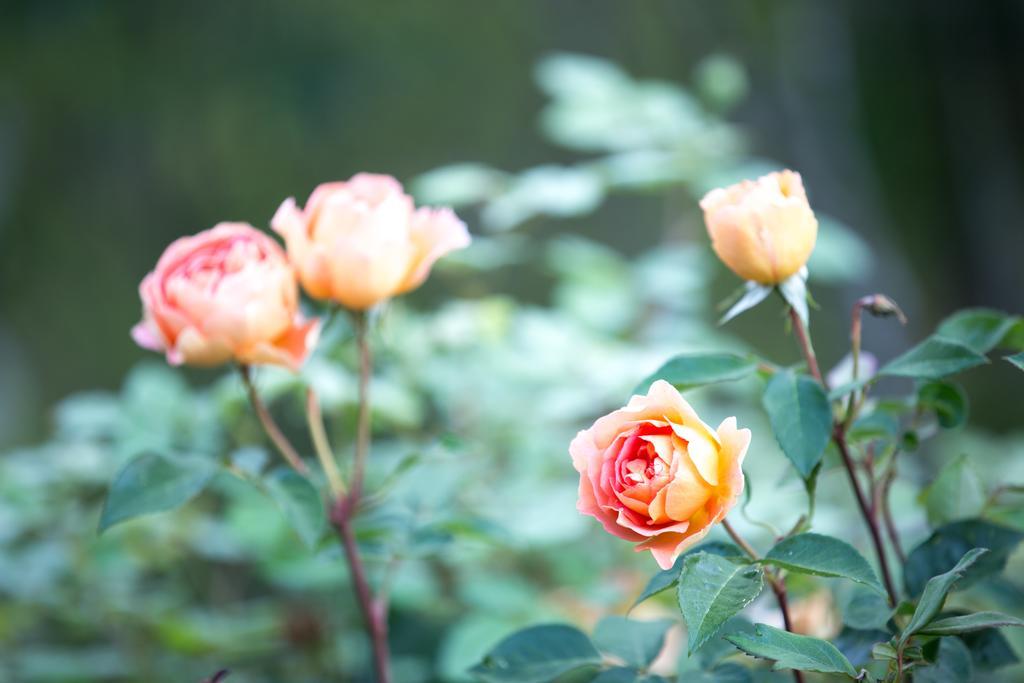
(654, 473)
(225, 293)
(363, 241)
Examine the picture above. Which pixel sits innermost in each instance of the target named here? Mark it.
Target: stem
(344, 508)
(804, 341)
(374, 612)
(315, 418)
(363, 424)
(839, 436)
(778, 586)
(876, 538)
(269, 426)
(890, 525)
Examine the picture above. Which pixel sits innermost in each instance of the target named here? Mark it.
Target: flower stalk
(839, 437)
(343, 509)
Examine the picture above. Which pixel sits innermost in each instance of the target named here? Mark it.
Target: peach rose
(363, 241)
(655, 474)
(226, 293)
(764, 230)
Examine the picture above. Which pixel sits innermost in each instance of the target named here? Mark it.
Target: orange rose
(226, 293)
(363, 241)
(655, 474)
(764, 230)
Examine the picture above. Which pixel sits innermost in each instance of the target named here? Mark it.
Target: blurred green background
(125, 125)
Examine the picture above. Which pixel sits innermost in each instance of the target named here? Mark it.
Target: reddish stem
(344, 509)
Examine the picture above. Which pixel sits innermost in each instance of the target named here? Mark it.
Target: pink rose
(226, 293)
(363, 241)
(653, 473)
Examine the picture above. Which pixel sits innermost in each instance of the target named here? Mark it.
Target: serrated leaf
(956, 493)
(933, 358)
(690, 370)
(635, 642)
(947, 400)
(537, 654)
(935, 592)
(822, 555)
(980, 329)
(755, 293)
(154, 483)
(947, 544)
(968, 623)
(792, 651)
(953, 663)
(800, 416)
(718, 648)
(300, 502)
(668, 578)
(711, 590)
(1017, 359)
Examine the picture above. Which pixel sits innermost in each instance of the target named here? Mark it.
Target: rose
(655, 474)
(225, 293)
(363, 241)
(764, 230)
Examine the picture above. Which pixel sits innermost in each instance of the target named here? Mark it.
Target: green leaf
(154, 483)
(1017, 359)
(968, 623)
(948, 543)
(300, 502)
(873, 426)
(989, 650)
(822, 555)
(801, 418)
(723, 673)
(957, 493)
(866, 609)
(718, 648)
(933, 359)
(624, 674)
(792, 651)
(636, 643)
(935, 592)
(712, 589)
(947, 400)
(857, 644)
(537, 654)
(980, 329)
(668, 578)
(952, 664)
(696, 369)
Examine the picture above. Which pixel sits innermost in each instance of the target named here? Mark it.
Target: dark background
(124, 125)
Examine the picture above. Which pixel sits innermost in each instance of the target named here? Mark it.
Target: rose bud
(763, 229)
(363, 241)
(226, 293)
(653, 473)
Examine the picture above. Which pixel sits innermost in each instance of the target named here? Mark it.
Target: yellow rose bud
(763, 229)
